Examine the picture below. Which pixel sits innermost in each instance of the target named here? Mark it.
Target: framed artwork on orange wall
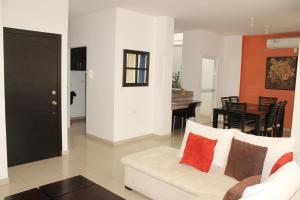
(281, 73)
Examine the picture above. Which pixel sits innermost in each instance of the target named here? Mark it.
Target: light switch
(91, 74)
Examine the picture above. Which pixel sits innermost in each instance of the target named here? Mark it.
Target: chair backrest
(237, 115)
(266, 101)
(279, 117)
(271, 116)
(224, 101)
(234, 99)
(280, 112)
(191, 110)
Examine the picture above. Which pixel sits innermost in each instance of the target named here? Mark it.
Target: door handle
(54, 103)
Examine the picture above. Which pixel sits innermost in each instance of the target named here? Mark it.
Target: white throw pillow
(276, 148)
(282, 185)
(224, 137)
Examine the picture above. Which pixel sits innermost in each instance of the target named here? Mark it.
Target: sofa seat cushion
(296, 196)
(163, 163)
(207, 197)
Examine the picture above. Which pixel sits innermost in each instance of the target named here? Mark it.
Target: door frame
(58, 37)
(85, 84)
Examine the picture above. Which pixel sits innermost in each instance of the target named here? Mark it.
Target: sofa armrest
(296, 196)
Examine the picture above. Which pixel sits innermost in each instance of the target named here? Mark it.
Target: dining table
(254, 112)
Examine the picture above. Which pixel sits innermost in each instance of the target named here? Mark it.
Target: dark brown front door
(32, 95)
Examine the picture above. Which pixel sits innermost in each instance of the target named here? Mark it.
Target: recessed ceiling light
(251, 22)
(267, 29)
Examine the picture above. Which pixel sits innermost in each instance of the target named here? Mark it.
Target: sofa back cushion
(277, 147)
(236, 192)
(281, 185)
(199, 152)
(245, 160)
(223, 136)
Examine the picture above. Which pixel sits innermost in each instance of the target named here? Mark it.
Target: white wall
(177, 58)
(133, 108)
(199, 44)
(296, 112)
(77, 84)
(229, 76)
(226, 50)
(3, 154)
(45, 16)
(97, 32)
(114, 112)
(134, 105)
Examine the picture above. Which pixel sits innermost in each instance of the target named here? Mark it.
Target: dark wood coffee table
(63, 187)
(76, 188)
(29, 195)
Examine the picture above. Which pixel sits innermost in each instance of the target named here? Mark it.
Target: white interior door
(207, 88)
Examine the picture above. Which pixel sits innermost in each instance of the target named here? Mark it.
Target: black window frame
(125, 68)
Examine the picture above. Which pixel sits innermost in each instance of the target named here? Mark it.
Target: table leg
(257, 125)
(215, 118)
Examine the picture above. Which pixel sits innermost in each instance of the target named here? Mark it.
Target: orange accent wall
(253, 72)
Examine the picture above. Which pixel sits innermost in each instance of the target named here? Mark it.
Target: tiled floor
(97, 161)
(205, 120)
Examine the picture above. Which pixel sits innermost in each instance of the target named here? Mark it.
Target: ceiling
(222, 16)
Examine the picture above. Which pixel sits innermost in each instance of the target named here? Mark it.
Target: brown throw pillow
(236, 192)
(245, 160)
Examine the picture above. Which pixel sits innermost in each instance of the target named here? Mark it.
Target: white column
(3, 153)
(296, 113)
(163, 75)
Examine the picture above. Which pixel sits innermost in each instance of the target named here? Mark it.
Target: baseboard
(98, 139)
(121, 142)
(77, 118)
(4, 181)
(162, 136)
(64, 153)
(138, 138)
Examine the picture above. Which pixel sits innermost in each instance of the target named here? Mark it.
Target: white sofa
(157, 174)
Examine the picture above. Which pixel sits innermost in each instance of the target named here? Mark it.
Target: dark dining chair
(184, 114)
(278, 126)
(237, 115)
(191, 111)
(266, 101)
(180, 113)
(224, 101)
(234, 99)
(263, 105)
(269, 127)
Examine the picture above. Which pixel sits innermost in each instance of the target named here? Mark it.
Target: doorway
(78, 84)
(207, 90)
(32, 63)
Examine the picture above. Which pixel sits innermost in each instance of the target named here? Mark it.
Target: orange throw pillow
(199, 152)
(288, 157)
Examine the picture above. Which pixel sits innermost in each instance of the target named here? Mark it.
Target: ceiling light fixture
(267, 29)
(251, 22)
